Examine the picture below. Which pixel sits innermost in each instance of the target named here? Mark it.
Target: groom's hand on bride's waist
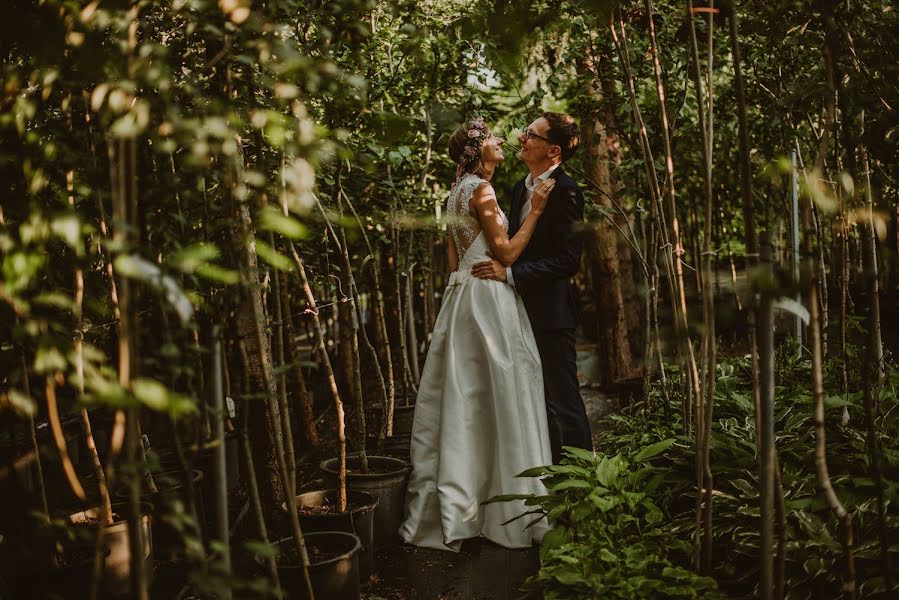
(490, 269)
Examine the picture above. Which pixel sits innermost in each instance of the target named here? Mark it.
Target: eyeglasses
(528, 134)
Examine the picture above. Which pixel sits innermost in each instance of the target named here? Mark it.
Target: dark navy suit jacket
(542, 272)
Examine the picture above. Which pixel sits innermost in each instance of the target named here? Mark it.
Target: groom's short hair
(563, 132)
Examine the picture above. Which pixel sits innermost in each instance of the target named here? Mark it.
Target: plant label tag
(230, 404)
(145, 441)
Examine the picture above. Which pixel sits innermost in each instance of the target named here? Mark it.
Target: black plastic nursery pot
(333, 569)
(204, 461)
(72, 577)
(167, 537)
(396, 446)
(403, 417)
(317, 512)
(386, 480)
(117, 567)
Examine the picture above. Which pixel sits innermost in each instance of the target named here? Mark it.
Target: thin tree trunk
(86, 430)
(286, 479)
(765, 434)
(780, 567)
(252, 484)
(58, 436)
(389, 390)
(830, 497)
(708, 299)
(404, 355)
(411, 335)
(872, 373)
(32, 439)
(822, 279)
(658, 212)
(355, 363)
(283, 408)
(693, 375)
(310, 434)
(322, 349)
(430, 307)
(123, 162)
(252, 315)
(607, 272)
(812, 303)
(743, 125)
(704, 402)
(376, 364)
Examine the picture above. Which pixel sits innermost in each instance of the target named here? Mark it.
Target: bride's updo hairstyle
(465, 146)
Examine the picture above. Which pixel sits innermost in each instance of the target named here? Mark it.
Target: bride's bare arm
(504, 249)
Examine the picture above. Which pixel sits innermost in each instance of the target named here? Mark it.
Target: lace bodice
(464, 228)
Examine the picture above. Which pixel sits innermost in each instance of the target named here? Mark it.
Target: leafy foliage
(609, 538)
(813, 554)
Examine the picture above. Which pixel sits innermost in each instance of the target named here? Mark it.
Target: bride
(480, 416)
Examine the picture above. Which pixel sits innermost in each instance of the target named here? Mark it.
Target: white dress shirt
(530, 184)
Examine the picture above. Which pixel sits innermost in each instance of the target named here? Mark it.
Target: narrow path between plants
(481, 571)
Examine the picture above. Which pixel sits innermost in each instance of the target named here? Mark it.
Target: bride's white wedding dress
(480, 415)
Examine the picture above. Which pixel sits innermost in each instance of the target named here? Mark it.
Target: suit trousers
(566, 415)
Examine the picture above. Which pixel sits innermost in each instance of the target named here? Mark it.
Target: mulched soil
(88, 521)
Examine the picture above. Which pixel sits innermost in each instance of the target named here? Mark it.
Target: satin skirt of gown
(480, 419)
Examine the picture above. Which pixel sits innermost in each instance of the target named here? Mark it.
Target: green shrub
(608, 538)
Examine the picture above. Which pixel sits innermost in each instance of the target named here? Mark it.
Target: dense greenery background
(232, 129)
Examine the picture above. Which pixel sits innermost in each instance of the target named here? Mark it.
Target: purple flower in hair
(477, 133)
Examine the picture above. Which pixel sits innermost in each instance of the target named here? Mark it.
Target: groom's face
(534, 146)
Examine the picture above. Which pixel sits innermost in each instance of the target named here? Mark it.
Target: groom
(541, 275)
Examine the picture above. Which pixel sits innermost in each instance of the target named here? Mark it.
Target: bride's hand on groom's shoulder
(541, 195)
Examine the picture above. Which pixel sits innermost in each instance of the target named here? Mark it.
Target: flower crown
(477, 133)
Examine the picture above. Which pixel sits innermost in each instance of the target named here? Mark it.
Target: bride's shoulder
(483, 192)
(471, 185)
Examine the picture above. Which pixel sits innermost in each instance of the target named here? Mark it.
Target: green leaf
(569, 576)
(158, 397)
(273, 257)
(524, 514)
(271, 219)
(607, 472)
(569, 484)
(219, 274)
(746, 488)
(553, 539)
(19, 268)
(19, 402)
(261, 549)
(190, 258)
(53, 299)
(535, 472)
(137, 267)
(653, 517)
(654, 449)
(605, 504)
(837, 402)
(507, 498)
(556, 512)
(68, 228)
(607, 556)
(49, 360)
(578, 453)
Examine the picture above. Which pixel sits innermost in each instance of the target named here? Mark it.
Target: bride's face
(492, 149)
